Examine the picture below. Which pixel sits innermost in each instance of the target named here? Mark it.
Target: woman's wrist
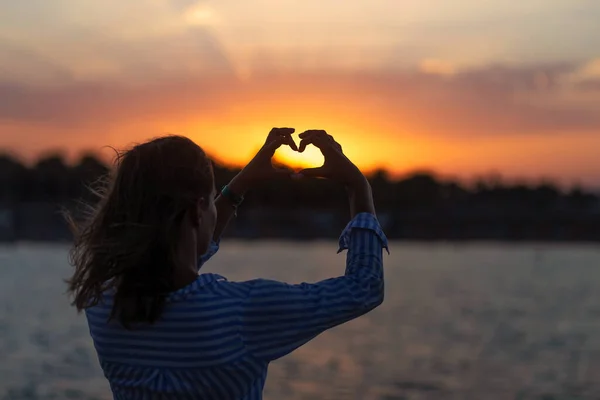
(361, 198)
(358, 184)
(241, 183)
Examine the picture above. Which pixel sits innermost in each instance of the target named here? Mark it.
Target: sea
(459, 321)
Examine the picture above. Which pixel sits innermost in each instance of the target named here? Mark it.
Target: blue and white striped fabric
(216, 338)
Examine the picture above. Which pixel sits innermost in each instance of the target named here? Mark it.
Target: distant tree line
(53, 179)
(417, 201)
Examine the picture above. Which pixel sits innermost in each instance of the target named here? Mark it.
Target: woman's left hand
(260, 168)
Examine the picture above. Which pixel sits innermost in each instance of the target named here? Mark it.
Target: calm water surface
(473, 321)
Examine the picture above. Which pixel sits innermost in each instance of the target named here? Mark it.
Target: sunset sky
(461, 87)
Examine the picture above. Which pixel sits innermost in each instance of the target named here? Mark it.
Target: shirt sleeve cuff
(363, 221)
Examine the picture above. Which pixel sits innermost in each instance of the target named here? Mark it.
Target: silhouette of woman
(161, 329)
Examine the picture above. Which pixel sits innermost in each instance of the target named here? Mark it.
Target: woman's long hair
(126, 242)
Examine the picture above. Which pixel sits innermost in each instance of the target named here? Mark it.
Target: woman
(164, 331)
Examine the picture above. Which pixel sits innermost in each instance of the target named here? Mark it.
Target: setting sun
(310, 157)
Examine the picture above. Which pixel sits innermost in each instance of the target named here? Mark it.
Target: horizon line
(74, 157)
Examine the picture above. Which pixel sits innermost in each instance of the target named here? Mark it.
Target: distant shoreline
(41, 222)
(419, 208)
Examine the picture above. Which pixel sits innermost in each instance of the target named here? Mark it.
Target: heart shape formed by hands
(311, 157)
(334, 165)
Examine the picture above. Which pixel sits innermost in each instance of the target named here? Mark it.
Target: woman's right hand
(336, 166)
(339, 168)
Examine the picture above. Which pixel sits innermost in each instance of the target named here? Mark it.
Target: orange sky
(401, 86)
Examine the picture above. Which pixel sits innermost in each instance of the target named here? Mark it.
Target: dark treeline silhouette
(419, 206)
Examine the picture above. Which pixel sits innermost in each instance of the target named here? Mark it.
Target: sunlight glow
(311, 157)
(200, 15)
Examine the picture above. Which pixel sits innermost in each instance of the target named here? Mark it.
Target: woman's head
(155, 208)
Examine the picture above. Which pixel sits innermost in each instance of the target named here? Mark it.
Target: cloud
(590, 69)
(182, 5)
(192, 50)
(590, 85)
(586, 77)
(25, 65)
(159, 76)
(485, 101)
(500, 99)
(97, 104)
(437, 67)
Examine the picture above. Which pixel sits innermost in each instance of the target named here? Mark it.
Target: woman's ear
(196, 213)
(203, 204)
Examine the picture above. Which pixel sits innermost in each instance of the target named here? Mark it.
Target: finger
(306, 138)
(283, 131)
(284, 171)
(318, 137)
(316, 140)
(312, 132)
(273, 144)
(303, 144)
(280, 132)
(290, 142)
(336, 144)
(318, 172)
(286, 133)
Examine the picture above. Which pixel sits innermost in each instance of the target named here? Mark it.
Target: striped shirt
(216, 338)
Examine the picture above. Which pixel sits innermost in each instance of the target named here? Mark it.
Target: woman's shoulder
(210, 286)
(201, 285)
